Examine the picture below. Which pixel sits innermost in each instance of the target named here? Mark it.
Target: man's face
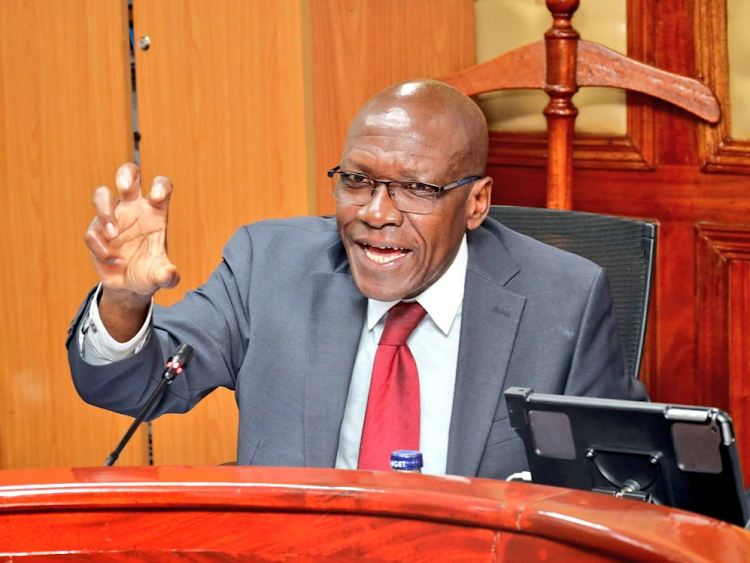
(395, 255)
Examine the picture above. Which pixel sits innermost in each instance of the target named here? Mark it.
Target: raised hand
(128, 241)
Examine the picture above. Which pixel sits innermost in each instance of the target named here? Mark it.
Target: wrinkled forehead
(422, 124)
(418, 145)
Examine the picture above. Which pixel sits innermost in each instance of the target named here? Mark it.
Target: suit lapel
(490, 318)
(337, 316)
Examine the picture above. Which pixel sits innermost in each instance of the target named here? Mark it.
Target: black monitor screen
(680, 456)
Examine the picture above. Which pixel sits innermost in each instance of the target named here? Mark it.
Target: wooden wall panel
(65, 124)
(739, 357)
(221, 109)
(698, 327)
(718, 150)
(723, 323)
(362, 46)
(245, 106)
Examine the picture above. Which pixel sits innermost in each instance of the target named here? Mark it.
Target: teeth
(385, 247)
(383, 259)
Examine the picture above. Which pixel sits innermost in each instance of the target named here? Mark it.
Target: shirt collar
(441, 300)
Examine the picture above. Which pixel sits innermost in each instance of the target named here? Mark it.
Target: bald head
(432, 110)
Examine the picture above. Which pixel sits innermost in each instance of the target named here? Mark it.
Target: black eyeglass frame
(387, 183)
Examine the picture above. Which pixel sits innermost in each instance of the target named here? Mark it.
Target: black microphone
(178, 361)
(176, 364)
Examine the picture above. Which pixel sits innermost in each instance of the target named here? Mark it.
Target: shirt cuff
(97, 347)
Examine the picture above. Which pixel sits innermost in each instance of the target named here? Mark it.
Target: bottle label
(404, 464)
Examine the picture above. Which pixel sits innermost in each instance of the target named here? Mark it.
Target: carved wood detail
(719, 152)
(633, 151)
(722, 271)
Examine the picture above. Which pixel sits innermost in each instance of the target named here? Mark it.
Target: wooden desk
(283, 514)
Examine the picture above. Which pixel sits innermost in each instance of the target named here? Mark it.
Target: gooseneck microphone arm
(176, 364)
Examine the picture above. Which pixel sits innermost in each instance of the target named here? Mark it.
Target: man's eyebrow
(403, 174)
(363, 168)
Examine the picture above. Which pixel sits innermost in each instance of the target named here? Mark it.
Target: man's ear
(479, 202)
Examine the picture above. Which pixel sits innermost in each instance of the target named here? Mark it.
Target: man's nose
(380, 211)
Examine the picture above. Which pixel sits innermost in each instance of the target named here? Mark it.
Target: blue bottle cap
(406, 460)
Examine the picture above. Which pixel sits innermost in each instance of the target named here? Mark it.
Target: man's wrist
(123, 313)
(98, 347)
(124, 299)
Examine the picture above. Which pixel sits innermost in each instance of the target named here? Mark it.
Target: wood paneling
(723, 321)
(243, 103)
(697, 334)
(245, 106)
(64, 127)
(718, 150)
(362, 46)
(221, 109)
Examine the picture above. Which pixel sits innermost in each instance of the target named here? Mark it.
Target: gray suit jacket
(279, 322)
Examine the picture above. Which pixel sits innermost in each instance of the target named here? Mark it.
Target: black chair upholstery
(625, 248)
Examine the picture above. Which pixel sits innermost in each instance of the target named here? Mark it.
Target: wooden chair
(560, 64)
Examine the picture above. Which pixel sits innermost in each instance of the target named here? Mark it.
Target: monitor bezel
(604, 441)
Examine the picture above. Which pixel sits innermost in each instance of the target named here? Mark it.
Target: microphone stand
(175, 365)
(155, 396)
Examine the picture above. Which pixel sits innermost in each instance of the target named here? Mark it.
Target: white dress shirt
(434, 345)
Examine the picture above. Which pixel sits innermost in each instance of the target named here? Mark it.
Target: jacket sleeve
(213, 319)
(599, 366)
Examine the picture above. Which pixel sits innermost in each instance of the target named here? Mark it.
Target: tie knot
(402, 319)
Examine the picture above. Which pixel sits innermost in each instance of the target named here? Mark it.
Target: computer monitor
(680, 456)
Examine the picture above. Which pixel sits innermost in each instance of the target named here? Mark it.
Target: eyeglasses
(353, 188)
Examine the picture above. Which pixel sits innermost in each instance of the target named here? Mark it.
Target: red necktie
(392, 417)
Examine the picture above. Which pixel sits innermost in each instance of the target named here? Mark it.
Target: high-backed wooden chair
(560, 64)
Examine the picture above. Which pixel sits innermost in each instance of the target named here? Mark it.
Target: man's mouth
(384, 254)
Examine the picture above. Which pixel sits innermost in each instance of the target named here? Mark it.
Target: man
(292, 318)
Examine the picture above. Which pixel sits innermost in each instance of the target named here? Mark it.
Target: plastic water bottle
(406, 461)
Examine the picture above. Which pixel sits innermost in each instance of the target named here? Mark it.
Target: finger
(129, 181)
(167, 276)
(98, 246)
(161, 190)
(104, 204)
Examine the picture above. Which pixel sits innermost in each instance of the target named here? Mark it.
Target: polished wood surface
(277, 514)
(65, 125)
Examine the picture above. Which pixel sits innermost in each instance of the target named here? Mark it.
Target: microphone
(178, 361)
(176, 364)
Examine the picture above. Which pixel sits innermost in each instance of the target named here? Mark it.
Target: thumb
(167, 276)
